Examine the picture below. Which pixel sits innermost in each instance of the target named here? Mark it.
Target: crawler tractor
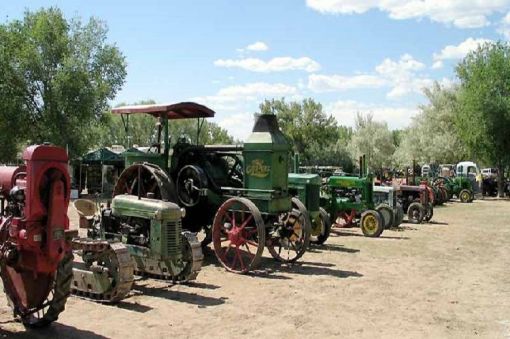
(134, 235)
(237, 194)
(35, 248)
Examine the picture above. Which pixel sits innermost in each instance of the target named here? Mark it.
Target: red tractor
(35, 241)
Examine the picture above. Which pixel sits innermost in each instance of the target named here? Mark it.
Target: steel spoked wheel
(371, 224)
(38, 301)
(320, 236)
(238, 235)
(292, 238)
(415, 213)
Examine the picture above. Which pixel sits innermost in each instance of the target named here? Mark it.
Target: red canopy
(182, 110)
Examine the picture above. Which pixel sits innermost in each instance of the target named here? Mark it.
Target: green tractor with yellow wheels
(349, 201)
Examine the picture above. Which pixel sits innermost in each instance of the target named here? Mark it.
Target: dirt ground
(450, 278)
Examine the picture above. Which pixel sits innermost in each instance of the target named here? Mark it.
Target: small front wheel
(325, 228)
(238, 235)
(371, 224)
(429, 212)
(292, 238)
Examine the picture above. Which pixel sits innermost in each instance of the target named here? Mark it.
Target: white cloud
(345, 111)
(504, 26)
(460, 13)
(400, 75)
(455, 52)
(257, 89)
(278, 64)
(238, 125)
(235, 98)
(258, 46)
(333, 83)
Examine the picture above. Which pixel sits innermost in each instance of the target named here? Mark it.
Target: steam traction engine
(35, 250)
(237, 194)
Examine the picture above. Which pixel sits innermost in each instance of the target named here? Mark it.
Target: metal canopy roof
(182, 110)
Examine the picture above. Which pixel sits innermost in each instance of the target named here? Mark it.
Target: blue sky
(350, 55)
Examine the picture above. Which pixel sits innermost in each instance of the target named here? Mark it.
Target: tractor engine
(35, 250)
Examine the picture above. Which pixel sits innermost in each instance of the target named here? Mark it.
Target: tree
(432, 137)
(372, 139)
(56, 77)
(483, 115)
(313, 134)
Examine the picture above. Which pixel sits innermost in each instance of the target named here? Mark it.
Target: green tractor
(237, 195)
(306, 187)
(347, 198)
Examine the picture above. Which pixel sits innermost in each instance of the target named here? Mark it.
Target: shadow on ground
(55, 330)
(181, 296)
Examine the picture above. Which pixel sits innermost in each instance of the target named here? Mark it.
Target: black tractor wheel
(387, 213)
(325, 228)
(429, 212)
(465, 196)
(399, 216)
(415, 213)
(371, 224)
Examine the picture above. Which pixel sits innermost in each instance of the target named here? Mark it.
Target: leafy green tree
(56, 77)
(372, 139)
(313, 134)
(483, 115)
(432, 137)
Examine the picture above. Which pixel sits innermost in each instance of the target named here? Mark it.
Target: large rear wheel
(415, 213)
(238, 235)
(371, 224)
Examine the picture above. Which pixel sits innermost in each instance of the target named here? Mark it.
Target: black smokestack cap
(266, 123)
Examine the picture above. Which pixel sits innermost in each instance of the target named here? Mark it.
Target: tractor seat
(87, 210)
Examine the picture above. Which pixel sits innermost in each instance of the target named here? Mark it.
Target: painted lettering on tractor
(258, 169)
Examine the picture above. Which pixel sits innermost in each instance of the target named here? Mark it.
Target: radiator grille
(173, 237)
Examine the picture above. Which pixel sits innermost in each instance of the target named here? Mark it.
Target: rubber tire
(379, 226)
(387, 213)
(326, 223)
(399, 216)
(429, 213)
(410, 213)
(465, 196)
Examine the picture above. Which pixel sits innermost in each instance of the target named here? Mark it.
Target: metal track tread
(120, 272)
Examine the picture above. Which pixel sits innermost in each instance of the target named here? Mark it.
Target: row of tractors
(241, 198)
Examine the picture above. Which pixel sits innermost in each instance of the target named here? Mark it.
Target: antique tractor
(237, 194)
(348, 198)
(415, 200)
(134, 235)
(35, 252)
(306, 187)
(385, 199)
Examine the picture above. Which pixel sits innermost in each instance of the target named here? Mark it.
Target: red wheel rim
(236, 237)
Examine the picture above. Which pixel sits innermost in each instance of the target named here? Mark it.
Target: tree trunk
(501, 180)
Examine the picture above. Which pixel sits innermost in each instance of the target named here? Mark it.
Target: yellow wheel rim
(370, 223)
(465, 196)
